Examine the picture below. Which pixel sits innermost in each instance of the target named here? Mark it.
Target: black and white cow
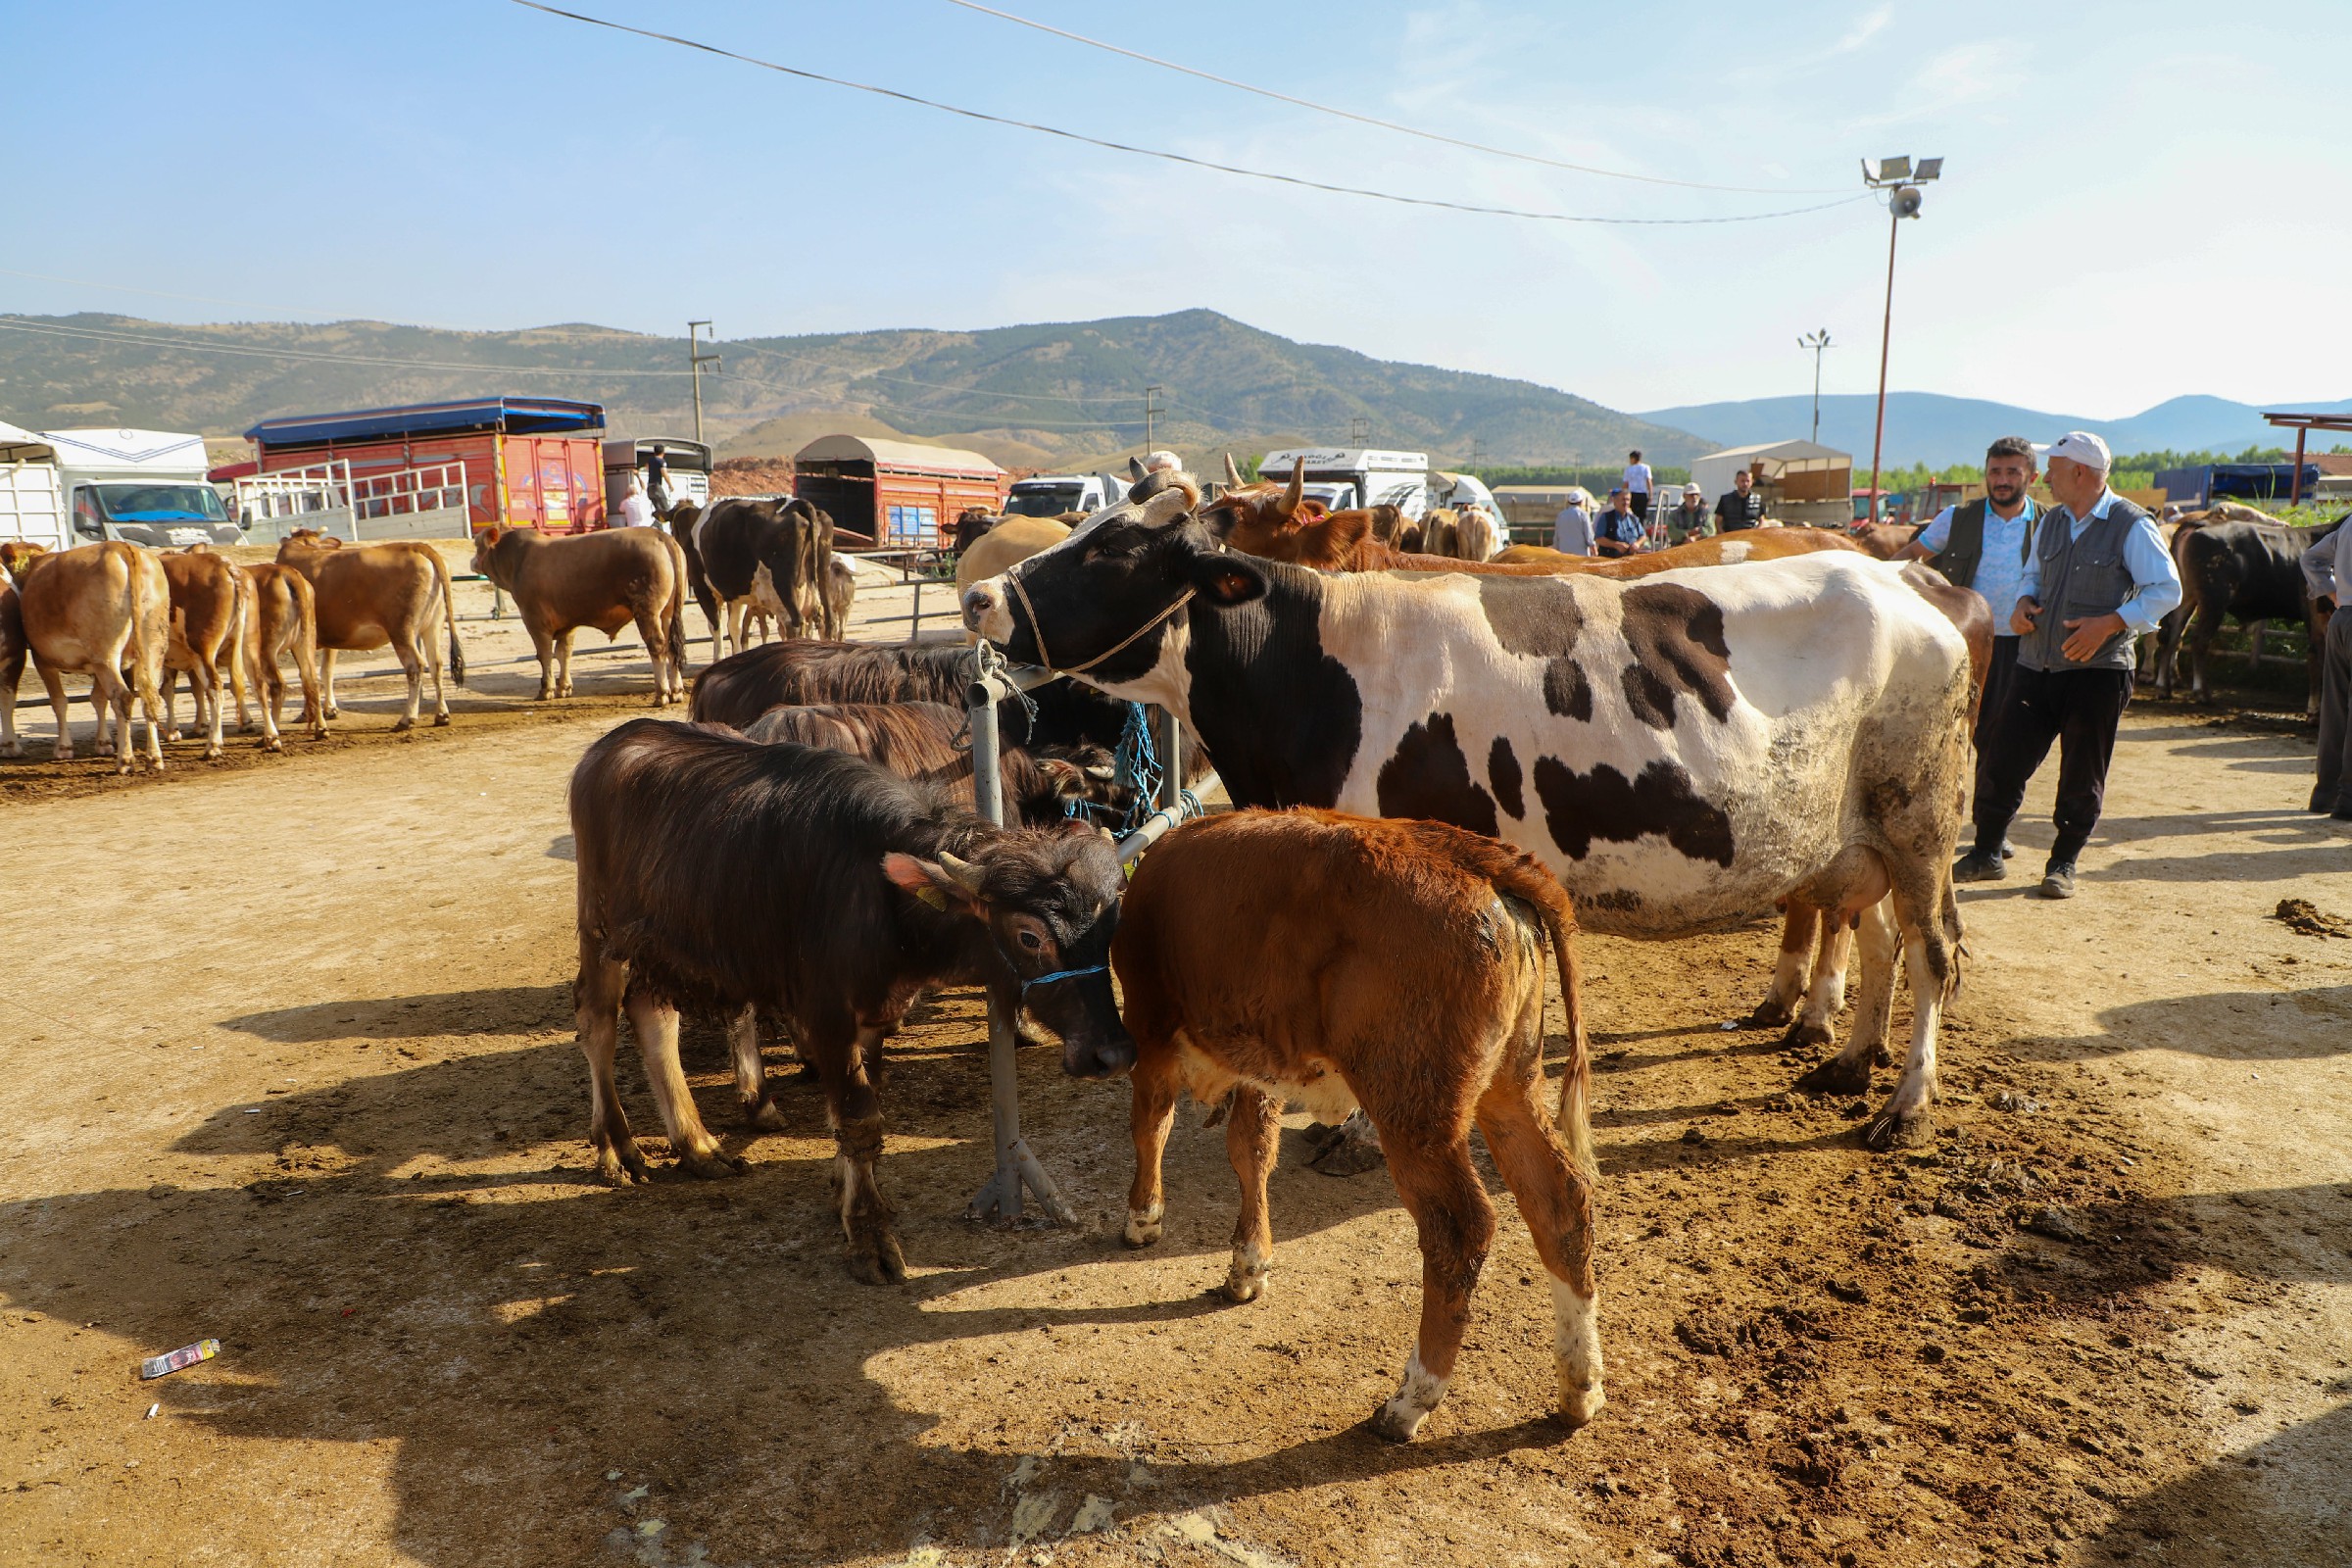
(1685, 751)
(761, 557)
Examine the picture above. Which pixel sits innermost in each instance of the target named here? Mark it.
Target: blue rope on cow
(1062, 974)
(1138, 768)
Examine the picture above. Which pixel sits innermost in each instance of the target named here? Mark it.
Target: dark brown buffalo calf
(920, 741)
(1391, 965)
(868, 889)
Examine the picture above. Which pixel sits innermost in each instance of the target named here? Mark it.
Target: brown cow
(97, 610)
(608, 580)
(1395, 965)
(370, 595)
(1886, 540)
(211, 603)
(285, 620)
(11, 666)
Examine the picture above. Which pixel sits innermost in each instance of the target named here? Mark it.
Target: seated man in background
(1620, 531)
(1689, 520)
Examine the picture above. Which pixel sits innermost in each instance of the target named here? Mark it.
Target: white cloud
(1873, 23)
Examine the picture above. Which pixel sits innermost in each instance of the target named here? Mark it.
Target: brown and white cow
(97, 610)
(373, 594)
(1346, 962)
(283, 623)
(211, 602)
(1686, 752)
(605, 580)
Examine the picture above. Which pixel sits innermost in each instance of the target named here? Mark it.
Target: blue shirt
(2003, 564)
(2327, 566)
(2155, 584)
(1624, 527)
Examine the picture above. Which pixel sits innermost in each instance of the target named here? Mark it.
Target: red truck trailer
(895, 492)
(528, 461)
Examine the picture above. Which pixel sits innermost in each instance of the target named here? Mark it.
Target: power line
(1384, 124)
(936, 387)
(1164, 156)
(149, 340)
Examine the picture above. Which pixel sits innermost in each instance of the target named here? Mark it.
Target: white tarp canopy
(1713, 473)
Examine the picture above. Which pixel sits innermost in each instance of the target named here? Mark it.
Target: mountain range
(1929, 427)
(1058, 395)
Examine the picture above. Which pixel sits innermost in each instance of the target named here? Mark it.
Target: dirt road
(290, 1064)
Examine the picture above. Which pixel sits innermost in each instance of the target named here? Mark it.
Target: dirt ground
(292, 1066)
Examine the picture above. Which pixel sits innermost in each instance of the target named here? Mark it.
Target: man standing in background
(2097, 577)
(657, 479)
(1689, 521)
(1572, 527)
(1983, 545)
(1636, 485)
(2328, 572)
(1741, 506)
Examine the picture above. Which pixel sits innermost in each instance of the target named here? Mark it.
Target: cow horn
(1233, 475)
(1298, 490)
(967, 876)
(1135, 469)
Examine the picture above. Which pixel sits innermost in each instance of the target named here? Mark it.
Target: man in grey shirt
(1572, 528)
(2328, 572)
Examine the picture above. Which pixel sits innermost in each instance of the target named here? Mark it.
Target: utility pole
(696, 359)
(1816, 341)
(1897, 176)
(1477, 449)
(1359, 430)
(1151, 409)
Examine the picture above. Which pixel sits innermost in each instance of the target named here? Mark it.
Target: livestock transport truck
(142, 487)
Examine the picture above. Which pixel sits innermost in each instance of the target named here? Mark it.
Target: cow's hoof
(1807, 1035)
(1579, 1406)
(1770, 1014)
(440, 721)
(1398, 1422)
(1840, 1075)
(1143, 1229)
(1244, 1283)
(332, 711)
(212, 753)
(1883, 1056)
(273, 744)
(398, 725)
(173, 736)
(622, 1167)
(12, 749)
(1351, 1150)
(1893, 1129)
(877, 1260)
(762, 1115)
(714, 1166)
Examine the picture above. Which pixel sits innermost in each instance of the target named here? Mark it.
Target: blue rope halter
(1062, 974)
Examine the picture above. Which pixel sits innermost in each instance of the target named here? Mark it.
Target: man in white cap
(1572, 525)
(1689, 520)
(2097, 576)
(2328, 572)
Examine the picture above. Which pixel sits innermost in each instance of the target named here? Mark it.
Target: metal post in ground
(1016, 1167)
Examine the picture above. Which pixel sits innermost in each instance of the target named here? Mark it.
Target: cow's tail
(449, 613)
(677, 608)
(1518, 876)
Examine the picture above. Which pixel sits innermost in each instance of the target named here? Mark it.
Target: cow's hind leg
(1442, 1192)
(56, 687)
(1824, 994)
(1556, 1199)
(596, 993)
(1848, 1071)
(657, 649)
(564, 662)
(1933, 952)
(656, 1027)
(1150, 1114)
(750, 1073)
(841, 1049)
(428, 652)
(1252, 1138)
(1798, 924)
(327, 682)
(545, 647)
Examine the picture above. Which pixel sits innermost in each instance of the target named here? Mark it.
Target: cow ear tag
(934, 898)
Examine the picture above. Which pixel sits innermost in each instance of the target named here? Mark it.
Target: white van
(1050, 495)
(143, 487)
(33, 504)
(1399, 479)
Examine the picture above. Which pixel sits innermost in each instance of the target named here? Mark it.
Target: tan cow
(370, 595)
(285, 620)
(209, 603)
(11, 668)
(1013, 540)
(608, 580)
(97, 610)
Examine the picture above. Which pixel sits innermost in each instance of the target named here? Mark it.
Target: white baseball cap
(1692, 490)
(2085, 448)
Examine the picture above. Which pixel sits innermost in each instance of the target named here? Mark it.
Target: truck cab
(142, 487)
(1359, 476)
(1050, 495)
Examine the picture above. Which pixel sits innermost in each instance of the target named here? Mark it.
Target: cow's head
(1050, 898)
(17, 557)
(304, 541)
(485, 549)
(1100, 605)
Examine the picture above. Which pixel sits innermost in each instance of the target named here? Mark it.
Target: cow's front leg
(856, 1111)
(1441, 1191)
(656, 1027)
(1151, 1114)
(1252, 1138)
(1848, 1071)
(750, 1073)
(596, 1008)
(564, 662)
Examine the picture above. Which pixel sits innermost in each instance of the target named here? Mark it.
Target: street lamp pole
(1816, 341)
(1897, 176)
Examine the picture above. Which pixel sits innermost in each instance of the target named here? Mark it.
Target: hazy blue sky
(2144, 199)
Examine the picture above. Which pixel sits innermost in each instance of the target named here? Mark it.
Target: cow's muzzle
(986, 610)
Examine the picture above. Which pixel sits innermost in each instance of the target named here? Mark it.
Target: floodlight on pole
(1897, 178)
(1816, 342)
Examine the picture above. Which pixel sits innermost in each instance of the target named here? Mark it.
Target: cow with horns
(1686, 752)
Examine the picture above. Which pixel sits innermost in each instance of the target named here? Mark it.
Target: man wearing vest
(1982, 545)
(2097, 577)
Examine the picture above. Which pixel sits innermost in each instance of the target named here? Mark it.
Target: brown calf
(211, 602)
(620, 577)
(284, 621)
(370, 595)
(1396, 965)
(11, 666)
(97, 610)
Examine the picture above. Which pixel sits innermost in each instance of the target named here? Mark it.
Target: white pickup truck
(1050, 495)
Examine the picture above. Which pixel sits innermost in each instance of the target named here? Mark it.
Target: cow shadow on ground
(501, 1316)
(503, 1009)
(2212, 1024)
(2281, 1501)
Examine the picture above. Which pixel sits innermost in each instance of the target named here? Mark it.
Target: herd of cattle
(1443, 764)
